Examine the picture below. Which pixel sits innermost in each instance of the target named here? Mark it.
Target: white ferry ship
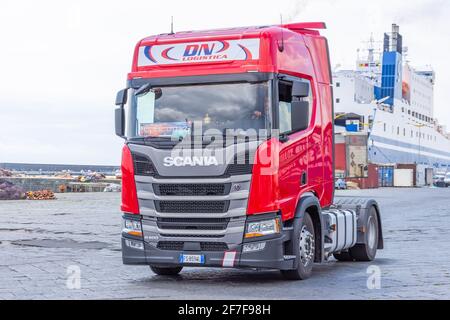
(390, 100)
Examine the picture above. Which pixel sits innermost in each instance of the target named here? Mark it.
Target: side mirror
(300, 89)
(122, 97)
(120, 122)
(299, 115)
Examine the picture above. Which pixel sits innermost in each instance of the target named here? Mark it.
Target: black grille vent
(239, 169)
(195, 220)
(205, 246)
(170, 245)
(193, 223)
(192, 206)
(207, 189)
(240, 165)
(143, 166)
(213, 246)
(192, 235)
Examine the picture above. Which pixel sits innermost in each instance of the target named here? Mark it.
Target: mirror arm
(283, 138)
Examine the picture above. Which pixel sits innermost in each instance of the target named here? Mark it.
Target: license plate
(192, 258)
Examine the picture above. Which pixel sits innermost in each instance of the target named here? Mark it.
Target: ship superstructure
(392, 101)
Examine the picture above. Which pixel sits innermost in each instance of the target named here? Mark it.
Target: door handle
(303, 179)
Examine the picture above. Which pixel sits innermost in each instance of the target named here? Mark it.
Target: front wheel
(166, 271)
(305, 251)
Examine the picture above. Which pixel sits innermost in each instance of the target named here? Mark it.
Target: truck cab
(228, 156)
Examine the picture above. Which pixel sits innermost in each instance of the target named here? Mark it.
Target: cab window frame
(276, 97)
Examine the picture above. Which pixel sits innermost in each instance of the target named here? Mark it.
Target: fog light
(252, 247)
(134, 244)
(132, 227)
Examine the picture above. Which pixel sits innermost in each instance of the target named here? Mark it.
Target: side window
(285, 112)
(284, 106)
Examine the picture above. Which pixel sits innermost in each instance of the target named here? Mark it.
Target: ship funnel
(396, 39)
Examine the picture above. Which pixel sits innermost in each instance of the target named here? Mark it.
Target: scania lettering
(199, 190)
(190, 161)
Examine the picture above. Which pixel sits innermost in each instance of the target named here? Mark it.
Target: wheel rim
(307, 246)
(371, 232)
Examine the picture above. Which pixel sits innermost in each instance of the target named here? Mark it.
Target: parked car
(340, 184)
(438, 180)
(447, 179)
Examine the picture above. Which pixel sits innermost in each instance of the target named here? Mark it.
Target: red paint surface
(130, 202)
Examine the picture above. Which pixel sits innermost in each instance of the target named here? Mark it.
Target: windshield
(176, 111)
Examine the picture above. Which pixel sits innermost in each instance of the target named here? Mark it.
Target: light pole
(420, 138)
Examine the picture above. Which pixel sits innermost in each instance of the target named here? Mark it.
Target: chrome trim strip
(232, 179)
(238, 212)
(145, 195)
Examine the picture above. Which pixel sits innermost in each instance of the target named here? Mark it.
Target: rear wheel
(366, 251)
(305, 251)
(166, 271)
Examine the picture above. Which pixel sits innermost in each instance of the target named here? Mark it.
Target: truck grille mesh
(213, 246)
(170, 245)
(239, 169)
(192, 206)
(143, 166)
(191, 189)
(193, 223)
(241, 164)
(205, 246)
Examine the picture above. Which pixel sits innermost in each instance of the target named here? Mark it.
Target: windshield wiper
(150, 140)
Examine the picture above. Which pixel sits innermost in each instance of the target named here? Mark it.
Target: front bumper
(271, 257)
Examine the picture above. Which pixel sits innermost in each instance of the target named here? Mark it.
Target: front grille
(192, 235)
(170, 245)
(143, 166)
(241, 164)
(239, 169)
(192, 189)
(192, 206)
(179, 245)
(213, 246)
(192, 223)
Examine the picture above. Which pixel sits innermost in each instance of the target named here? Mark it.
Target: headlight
(132, 227)
(262, 228)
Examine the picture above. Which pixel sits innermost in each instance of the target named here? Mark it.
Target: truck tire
(166, 271)
(366, 251)
(305, 251)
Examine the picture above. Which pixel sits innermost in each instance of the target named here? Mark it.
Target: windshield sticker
(195, 52)
(165, 129)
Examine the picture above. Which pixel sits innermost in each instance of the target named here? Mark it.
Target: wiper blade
(150, 139)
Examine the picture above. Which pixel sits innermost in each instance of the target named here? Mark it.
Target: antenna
(171, 25)
(281, 47)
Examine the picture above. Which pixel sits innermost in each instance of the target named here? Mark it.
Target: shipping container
(371, 181)
(417, 176)
(386, 176)
(403, 178)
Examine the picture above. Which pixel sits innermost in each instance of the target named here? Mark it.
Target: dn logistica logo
(194, 52)
(205, 51)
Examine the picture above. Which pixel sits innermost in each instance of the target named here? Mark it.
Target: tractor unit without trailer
(228, 156)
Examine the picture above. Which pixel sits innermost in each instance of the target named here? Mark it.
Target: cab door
(293, 115)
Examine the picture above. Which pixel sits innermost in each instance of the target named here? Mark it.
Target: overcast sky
(61, 62)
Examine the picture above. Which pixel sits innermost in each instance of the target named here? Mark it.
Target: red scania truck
(228, 156)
